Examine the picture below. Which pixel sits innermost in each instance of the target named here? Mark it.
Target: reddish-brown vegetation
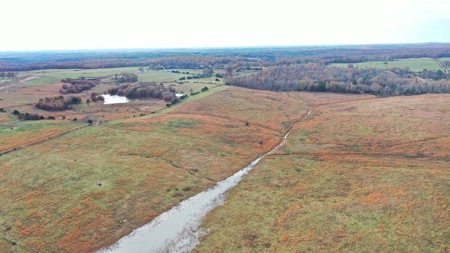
(144, 90)
(57, 103)
(97, 98)
(358, 176)
(146, 165)
(320, 78)
(76, 85)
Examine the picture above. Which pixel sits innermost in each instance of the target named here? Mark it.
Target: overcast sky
(102, 24)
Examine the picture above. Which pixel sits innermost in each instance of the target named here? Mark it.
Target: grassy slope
(146, 165)
(368, 176)
(16, 134)
(415, 65)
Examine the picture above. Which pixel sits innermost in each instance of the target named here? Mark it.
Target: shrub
(246, 123)
(16, 112)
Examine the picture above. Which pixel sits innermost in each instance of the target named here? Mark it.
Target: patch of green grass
(39, 77)
(415, 64)
(181, 123)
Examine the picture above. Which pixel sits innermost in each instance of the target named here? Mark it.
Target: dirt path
(28, 78)
(5, 87)
(442, 66)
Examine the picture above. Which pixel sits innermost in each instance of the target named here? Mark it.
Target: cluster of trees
(28, 116)
(125, 77)
(11, 74)
(59, 103)
(95, 97)
(318, 77)
(76, 85)
(175, 100)
(195, 77)
(144, 90)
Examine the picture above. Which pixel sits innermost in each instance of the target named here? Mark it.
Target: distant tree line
(30, 116)
(11, 74)
(76, 85)
(59, 103)
(125, 77)
(238, 59)
(318, 77)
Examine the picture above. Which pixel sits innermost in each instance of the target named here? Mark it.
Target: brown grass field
(360, 174)
(50, 198)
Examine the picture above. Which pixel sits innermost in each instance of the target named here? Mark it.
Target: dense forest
(215, 57)
(318, 77)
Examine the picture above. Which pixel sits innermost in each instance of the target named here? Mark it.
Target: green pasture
(39, 77)
(414, 64)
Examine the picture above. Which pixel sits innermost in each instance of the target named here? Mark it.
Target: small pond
(114, 99)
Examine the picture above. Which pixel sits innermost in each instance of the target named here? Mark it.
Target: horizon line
(215, 47)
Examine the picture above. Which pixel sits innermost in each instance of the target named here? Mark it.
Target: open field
(415, 64)
(354, 176)
(19, 94)
(22, 98)
(48, 76)
(17, 134)
(52, 200)
(445, 59)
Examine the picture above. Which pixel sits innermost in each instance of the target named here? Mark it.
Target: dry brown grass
(51, 202)
(19, 135)
(361, 176)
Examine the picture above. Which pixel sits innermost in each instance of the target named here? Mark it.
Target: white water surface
(114, 99)
(177, 229)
